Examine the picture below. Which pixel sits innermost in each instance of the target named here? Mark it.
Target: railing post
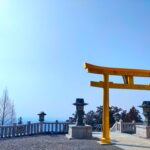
(65, 128)
(38, 128)
(10, 131)
(41, 127)
(121, 125)
(14, 130)
(56, 126)
(134, 126)
(28, 127)
(48, 128)
(45, 127)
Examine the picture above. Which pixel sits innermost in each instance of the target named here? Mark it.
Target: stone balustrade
(124, 127)
(33, 129)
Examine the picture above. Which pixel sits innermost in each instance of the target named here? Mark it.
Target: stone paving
(52, 142)
(60, 142)
(127, 141)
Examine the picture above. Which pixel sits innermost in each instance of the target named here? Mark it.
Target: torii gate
(128, 78)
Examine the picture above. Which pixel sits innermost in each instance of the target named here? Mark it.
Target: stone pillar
(121, 125)
(80, 132)
(134, 126)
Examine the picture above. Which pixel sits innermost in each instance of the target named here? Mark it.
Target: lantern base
(143, 131)
(79, 132)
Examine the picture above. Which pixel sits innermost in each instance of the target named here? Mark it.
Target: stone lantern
(41, 116)
(146, 112)
(80, 111)
(79, 130)
(144, 130)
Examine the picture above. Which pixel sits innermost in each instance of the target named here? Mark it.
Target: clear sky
(44, 43)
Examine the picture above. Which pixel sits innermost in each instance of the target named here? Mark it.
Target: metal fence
(33, 129)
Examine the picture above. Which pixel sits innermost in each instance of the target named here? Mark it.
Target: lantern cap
(145, 104)
(80, 101)
(42, 113)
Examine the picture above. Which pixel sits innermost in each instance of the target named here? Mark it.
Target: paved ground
(60, 142)
(127, 141)
(52, 142)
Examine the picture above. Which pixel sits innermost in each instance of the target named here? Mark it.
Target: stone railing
(97, 127)
(33, 129)
(124, 127)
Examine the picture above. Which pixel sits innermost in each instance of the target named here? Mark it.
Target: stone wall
(143, 131)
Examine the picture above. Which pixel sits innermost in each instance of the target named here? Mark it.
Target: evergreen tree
(98, 115)
(123, 115)
(133, 114)
(20, 120)
(90, 118)
(114, 114)
(94, 118)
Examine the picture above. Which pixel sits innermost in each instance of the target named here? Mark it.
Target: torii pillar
(105, 116)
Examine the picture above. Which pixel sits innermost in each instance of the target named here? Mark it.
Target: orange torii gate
(128, 78)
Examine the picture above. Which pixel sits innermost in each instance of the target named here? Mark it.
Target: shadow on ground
(131, 146)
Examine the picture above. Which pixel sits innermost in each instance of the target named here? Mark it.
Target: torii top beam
(127, 74)
(116, 71)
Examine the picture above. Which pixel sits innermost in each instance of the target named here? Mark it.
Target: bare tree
(7, 111)
(12, 114)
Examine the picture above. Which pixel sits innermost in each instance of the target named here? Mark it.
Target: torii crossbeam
(128, 78)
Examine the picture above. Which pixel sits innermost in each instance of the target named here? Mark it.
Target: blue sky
(44, 43)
